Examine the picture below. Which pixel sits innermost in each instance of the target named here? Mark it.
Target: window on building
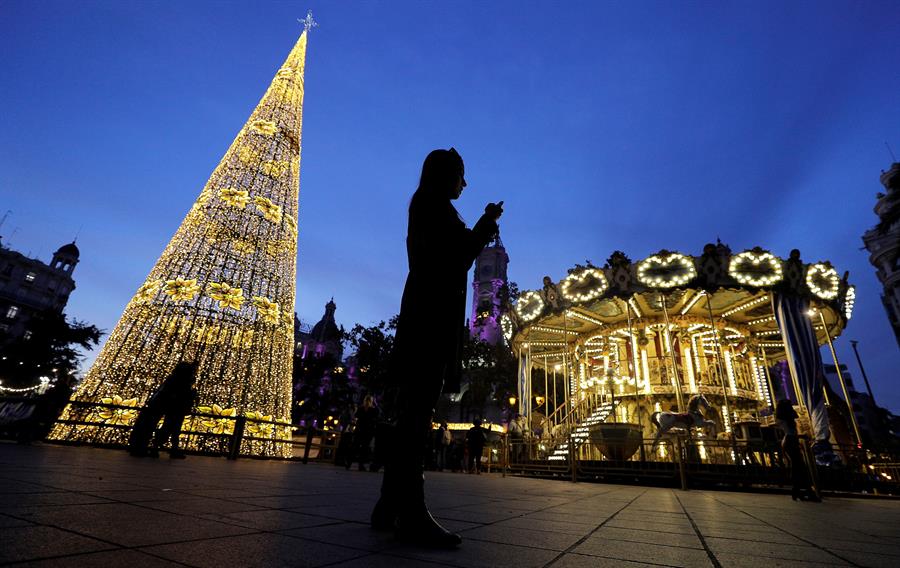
(27, 335)
(30, 277)
(12, 311)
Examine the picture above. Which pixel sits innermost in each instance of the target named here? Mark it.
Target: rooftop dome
(327, 329)
(69, 250)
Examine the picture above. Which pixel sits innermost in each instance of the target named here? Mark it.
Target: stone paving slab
(79, 506)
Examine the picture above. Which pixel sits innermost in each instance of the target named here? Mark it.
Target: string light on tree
(221, 294)
(506, 326)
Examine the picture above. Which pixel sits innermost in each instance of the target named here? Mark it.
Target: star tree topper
(308, 22)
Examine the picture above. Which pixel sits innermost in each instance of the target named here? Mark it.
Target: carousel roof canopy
(732, 292)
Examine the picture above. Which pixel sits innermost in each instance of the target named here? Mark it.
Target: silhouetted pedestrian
(344, 452)
(366, 420)
(442, 439)
(172, 400)
(426, 355)
(786, 417)
(475, 439)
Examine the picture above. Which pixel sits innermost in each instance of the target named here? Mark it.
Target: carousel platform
(78, 506)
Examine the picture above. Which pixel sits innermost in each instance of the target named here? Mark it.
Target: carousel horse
(693, 418)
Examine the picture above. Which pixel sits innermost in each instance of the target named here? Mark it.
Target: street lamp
(854, 343)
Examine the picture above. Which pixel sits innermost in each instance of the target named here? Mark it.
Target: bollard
(573, 459)
(234, 444)
(681, 471)
(505, 454)
(308, 445)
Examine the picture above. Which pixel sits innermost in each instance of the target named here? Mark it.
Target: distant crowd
(455, 451)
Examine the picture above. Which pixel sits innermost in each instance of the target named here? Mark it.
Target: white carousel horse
(693, 418)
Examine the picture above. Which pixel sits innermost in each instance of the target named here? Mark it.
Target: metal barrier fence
(681, 462)
(674, 461)
(217, 434)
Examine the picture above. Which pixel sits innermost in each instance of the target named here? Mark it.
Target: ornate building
(487, 285)
(883, 243)
(324, 338)
(29, 287)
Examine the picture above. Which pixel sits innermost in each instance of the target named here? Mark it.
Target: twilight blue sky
(603, 125)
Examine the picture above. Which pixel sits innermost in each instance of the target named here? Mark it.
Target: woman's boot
(415, 525)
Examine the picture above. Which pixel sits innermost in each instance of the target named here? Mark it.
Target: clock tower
(490, 277)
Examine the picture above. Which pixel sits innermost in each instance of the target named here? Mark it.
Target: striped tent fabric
(804, 359)
(524, 382)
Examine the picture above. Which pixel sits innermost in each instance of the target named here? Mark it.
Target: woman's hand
(494, 210)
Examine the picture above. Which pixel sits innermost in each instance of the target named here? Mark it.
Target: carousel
(607, 354)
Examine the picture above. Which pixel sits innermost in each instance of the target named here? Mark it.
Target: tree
(373, 346)
(52, 350)
(321, 388)
(489, 371)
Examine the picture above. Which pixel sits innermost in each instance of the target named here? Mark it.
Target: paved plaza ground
(67, 506)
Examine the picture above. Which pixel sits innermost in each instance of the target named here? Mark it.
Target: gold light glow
(221, 294)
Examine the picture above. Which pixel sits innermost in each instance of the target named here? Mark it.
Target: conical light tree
(221, 294)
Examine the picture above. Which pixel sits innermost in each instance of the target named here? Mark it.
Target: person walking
(426, 354)
(172, 400)
(475, 439)
(443, 437)
(786, 417)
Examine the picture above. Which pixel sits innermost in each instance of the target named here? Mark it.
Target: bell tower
(490, 277)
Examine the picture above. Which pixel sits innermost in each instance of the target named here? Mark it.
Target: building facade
(487, 286)
(29, 287)
(883, 243)
(324, 338)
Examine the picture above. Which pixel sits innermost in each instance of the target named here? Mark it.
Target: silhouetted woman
(786, 417)
(426, 355)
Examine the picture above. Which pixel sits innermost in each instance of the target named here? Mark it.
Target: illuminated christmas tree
(221, 294)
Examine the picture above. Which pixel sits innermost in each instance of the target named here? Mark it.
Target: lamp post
(512, 407)
(837, 367)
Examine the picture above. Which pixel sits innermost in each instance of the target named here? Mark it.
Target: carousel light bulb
(849, 301)
(573, 285)
(676, 270)
(530, 305)
(766, 268)
(823, 281)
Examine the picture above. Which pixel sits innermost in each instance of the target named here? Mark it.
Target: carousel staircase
(582, 431)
